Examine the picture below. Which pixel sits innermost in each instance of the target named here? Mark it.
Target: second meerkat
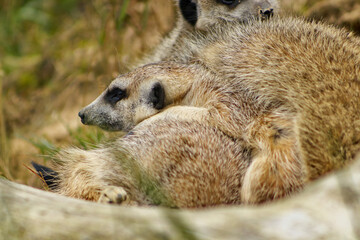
(196, 17)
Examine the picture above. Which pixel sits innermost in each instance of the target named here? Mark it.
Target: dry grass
(4, 153)
(56, 56)
(344, 13)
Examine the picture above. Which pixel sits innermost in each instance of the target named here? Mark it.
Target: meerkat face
(126, 102)
(204, 13)
(138, 95)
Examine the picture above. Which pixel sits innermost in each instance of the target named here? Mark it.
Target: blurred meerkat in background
(198, 16)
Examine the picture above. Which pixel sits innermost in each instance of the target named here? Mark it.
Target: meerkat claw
(114, 195)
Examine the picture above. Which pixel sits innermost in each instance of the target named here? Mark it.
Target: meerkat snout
(82, 116)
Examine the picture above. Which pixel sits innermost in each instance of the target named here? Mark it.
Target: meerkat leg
(114, 195)
(94, 175)
(277, 169)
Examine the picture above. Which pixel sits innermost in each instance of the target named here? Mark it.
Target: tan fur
(289, 88)
(211, 12)
(169, 163)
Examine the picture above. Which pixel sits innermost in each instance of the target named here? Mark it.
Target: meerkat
(195, 17)
(169, 163)
(169, 90)
(199, 16)
(289, 88)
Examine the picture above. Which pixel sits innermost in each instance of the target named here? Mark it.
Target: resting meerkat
(169, 163)
(289, 88)
(202, 15)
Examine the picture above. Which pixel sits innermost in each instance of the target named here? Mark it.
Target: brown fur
(167, 163)
(289, 88)
(209, 13)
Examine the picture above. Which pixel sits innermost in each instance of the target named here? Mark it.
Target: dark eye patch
(230, 3)
(114, 95)
(157, 96)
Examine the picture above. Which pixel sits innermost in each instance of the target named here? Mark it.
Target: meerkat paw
(114, 195)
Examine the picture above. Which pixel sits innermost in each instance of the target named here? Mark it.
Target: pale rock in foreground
(328, 209)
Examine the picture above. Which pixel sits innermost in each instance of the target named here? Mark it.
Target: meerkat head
(135, 96)
(125, 103)
(205, 13)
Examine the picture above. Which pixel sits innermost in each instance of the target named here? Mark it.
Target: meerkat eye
(114, 95)
(230, 3)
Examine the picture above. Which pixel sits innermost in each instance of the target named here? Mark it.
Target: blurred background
(57, 56)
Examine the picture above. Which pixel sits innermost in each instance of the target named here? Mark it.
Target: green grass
(43, 46)
(47, 149)
(44, 49)
(20, 18)
(82, 137)
(121, 15)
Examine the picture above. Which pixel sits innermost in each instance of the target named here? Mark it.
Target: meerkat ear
(157, 96)
(188, 11)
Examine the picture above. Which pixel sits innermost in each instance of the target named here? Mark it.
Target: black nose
(266, 13)
(82, 117)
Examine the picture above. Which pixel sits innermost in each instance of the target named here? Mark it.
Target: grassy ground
(57, 56)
